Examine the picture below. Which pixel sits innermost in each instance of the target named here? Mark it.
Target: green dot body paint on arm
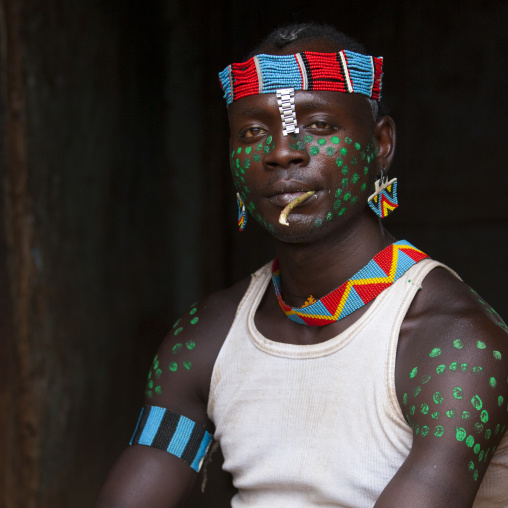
(477, 402)
(460, 433)
(439, 431)
(438, 398)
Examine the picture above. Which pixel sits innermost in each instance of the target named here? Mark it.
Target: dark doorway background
(118, 211)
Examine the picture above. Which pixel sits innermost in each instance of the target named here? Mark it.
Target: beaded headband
(345, 71)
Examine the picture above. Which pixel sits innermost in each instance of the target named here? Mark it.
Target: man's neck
(319, 267)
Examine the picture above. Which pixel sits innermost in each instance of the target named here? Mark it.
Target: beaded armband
(345, 71)
(176, 434)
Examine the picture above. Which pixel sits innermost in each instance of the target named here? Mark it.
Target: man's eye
(253, 132)
(320, 126)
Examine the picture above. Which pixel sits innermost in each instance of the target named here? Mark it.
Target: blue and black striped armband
(176, 434)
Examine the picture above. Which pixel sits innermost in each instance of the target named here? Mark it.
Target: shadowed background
(117, 209)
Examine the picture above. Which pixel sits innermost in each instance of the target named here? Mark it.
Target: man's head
(338, 148)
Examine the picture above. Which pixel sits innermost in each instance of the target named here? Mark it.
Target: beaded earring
(384, 200)
(242, 213)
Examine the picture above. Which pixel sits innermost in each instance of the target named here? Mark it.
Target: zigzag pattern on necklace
(380, 273)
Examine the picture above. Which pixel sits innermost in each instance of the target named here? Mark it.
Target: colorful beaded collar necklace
(345, 71)
(379, 274)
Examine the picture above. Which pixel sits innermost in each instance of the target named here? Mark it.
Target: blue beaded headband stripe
(345, 71)
(176, 434)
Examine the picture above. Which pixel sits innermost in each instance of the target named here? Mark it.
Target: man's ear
(385, 136)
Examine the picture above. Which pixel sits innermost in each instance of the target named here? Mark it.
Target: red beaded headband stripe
(345, 71)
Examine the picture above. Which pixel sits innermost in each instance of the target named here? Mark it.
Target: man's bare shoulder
(179, 377)
(447, 308)
(451, 383)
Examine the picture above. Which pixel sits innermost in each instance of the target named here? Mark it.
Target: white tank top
(320, 425)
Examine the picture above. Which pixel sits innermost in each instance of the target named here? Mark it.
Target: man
(371, 375)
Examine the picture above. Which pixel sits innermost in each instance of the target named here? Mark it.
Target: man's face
(333, 155)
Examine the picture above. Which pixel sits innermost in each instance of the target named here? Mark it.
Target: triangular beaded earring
(384, 200)
(242, 213)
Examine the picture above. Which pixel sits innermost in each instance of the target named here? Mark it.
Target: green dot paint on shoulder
(477, 402)
(457, 392)
(156, 372)
(458, 344)
(460, 433)
(438, 398)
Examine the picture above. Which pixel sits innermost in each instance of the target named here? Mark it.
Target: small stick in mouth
(283, 218)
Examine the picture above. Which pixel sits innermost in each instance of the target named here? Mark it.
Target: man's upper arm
(178, 381)
(452, 385)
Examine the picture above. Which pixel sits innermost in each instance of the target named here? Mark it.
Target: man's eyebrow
(251, 112)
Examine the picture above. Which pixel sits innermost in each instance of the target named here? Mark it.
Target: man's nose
(286, 152)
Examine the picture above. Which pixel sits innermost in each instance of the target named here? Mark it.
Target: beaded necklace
(379, 274)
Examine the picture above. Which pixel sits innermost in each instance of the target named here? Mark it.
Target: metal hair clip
(286, 102)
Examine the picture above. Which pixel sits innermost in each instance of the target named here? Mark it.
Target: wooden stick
(300, 199)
